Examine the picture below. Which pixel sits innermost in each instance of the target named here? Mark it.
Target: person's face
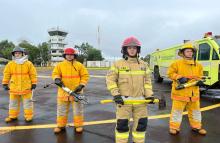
(188, 53)
(132, 51)
(69, 57)
(18, 54)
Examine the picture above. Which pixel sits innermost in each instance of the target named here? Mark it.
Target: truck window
(215, 55)
(204, 52)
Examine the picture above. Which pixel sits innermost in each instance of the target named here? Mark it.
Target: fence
(99, 63)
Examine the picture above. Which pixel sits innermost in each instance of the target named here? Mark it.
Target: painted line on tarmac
(96, 76)
(4, 130)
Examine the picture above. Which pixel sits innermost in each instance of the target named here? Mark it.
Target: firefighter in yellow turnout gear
(129, 79)
(73, 75)
(182, 71)
(20, 78)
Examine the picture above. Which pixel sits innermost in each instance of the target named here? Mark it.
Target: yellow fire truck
(208, 54)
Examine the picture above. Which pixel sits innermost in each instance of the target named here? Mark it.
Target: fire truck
(208, 54)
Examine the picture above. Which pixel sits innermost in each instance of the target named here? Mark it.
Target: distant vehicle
(3, 61)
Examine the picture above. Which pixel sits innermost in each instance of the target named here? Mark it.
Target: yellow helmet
(187, 45)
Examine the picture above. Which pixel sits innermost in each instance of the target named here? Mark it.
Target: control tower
(57, 44)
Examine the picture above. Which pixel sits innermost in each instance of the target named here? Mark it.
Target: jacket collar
(189, 62)
(132, 60)
(21, 60)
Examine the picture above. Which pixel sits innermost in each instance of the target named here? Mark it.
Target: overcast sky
(156, 23)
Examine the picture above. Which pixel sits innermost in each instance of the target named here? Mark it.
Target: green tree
(39, 55)
(88, 52)
(94, 55)
(6, 48)
(44, 53)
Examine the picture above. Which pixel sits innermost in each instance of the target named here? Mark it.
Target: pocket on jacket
(123, 85)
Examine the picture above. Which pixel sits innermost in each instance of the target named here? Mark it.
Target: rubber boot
(200, 131)
(174, 132)
(28, 120)
(79, 130)
(58, 130)
(8, 119)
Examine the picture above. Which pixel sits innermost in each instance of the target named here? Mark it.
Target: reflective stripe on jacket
(129, 78)
(72, 74)
(20, 77)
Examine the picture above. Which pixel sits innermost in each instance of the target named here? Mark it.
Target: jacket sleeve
(7, 74)
(147, 83)
(172, 72)
(111, 80)
(56, 72)
(84, 75)
(33, 74)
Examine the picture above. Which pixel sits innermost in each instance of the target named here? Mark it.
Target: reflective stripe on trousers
(125, 112)
(63, 110)
(14, 105)
(121, 137)
(194, 114)
(138, 137)
(78, 114)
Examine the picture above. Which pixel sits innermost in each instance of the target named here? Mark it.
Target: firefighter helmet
(17, 49)
(69, 51)
(187, 45)
(130, 41)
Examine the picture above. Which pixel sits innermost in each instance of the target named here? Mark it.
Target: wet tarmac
(103, 131)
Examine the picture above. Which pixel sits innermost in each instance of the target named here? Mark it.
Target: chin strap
(137, 57)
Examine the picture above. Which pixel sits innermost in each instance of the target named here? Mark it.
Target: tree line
(40, 54)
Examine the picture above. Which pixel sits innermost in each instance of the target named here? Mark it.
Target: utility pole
(98, 38)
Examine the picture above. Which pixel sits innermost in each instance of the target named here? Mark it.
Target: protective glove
(5, 86)
(33, 86)
(58, 82)
(182, 80)
(150, 98)
(118, 99)
(79, 88)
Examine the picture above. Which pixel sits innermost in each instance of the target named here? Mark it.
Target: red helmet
(69, 51)
(131, 41)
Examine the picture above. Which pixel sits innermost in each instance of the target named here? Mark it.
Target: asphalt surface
(45, 113)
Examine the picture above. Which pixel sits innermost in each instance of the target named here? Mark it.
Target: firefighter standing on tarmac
(182, 71)
(20, 78)
(129, 78)
(73, 75)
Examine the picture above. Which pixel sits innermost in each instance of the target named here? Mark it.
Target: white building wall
(99, 63)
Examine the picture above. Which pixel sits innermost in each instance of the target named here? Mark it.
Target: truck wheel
(157, 76)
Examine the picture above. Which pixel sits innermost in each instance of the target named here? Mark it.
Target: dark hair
(75, 56)
(124, 52)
